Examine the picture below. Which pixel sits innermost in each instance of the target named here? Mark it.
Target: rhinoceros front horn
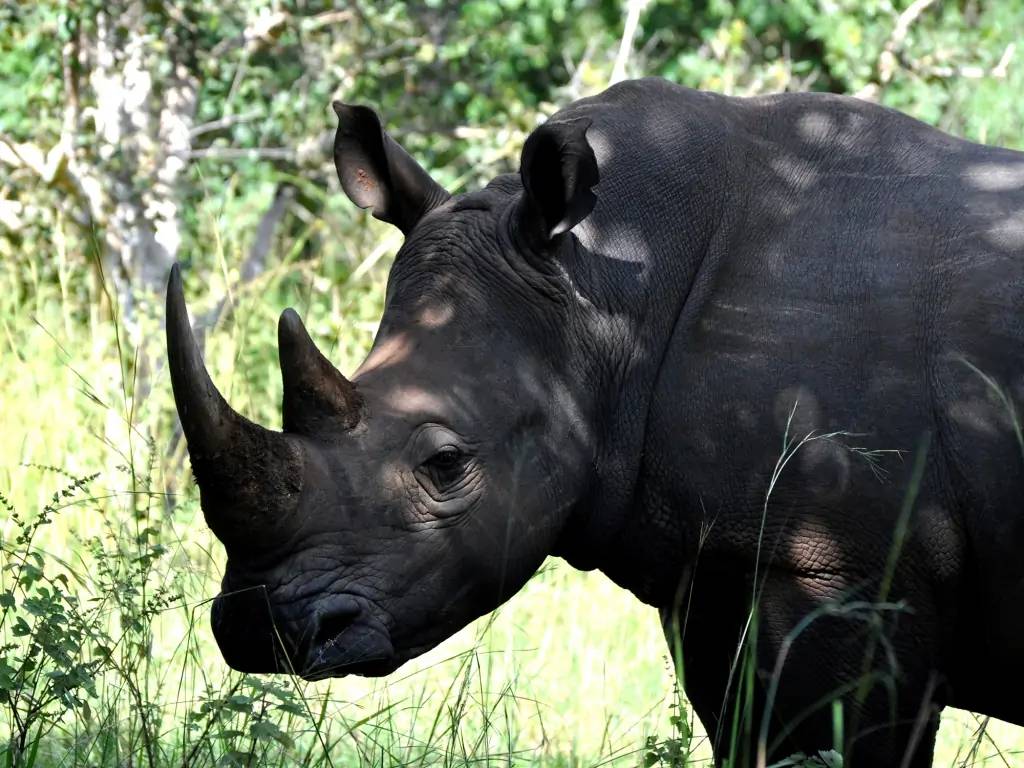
(317, 397)
(209, 423)
(247, 475)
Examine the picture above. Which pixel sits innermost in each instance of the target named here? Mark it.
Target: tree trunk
(135, 163)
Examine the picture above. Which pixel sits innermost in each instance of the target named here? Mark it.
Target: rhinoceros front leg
(816, 643)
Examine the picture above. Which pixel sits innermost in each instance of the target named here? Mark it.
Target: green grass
(107, 567)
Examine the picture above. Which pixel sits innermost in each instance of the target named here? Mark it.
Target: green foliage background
(106, 652)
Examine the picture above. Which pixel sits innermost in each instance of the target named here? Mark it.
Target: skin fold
(756, 360)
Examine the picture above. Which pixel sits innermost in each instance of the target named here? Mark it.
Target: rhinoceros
(755, 359)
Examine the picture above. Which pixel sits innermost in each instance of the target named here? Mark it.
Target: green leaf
(265, 730)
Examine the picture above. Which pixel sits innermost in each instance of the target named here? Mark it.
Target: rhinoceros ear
(376, 173)
(558, 170)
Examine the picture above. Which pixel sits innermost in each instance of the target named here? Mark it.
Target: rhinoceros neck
(639, 255)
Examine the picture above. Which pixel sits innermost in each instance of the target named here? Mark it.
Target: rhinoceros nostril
(334, 620)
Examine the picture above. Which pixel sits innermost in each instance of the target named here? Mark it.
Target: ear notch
(559, 170)
(376, 173)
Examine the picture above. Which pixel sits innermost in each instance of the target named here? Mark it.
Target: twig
(239, 153)
(223, 122)
(903, 22)
(1000, 69)
(633, 11)
(261, 32)
(888, 59)
(326, 18)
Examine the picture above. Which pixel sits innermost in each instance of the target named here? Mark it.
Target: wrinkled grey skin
(600, 358)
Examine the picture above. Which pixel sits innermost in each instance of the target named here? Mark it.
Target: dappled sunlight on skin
(938, 527)
(1007, 232)
(826, 130)
(995, 177)
(815, 128)
(435, 316)
(409, 399)
(805, 550)
(801, 173)
(390, 351)
(602, 145)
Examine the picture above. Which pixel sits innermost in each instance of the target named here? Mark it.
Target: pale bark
(144, 137)
(123, 185)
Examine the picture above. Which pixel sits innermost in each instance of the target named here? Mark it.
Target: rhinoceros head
(396, 507)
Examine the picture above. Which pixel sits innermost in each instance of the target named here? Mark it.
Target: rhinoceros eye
(445, 468)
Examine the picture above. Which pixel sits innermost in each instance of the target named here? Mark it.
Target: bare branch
(633, 10)
(888, 59)
(239, 153)
(260, 33)
(1000, 69)
(326, 19)
(223, 122)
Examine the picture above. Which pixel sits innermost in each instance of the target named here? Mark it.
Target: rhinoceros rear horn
(317, 396)
(247, 474)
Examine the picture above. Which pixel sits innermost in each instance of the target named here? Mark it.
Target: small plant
(676, 750)
(44, 629)
(248, 719)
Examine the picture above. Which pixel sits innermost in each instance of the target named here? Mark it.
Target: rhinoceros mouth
(359, 650)
(379, 668)
(347, 644)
